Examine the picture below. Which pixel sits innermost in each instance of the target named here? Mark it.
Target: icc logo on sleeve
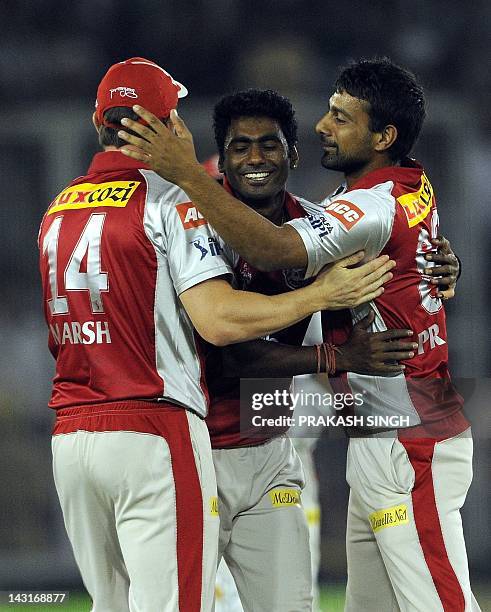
(348, 213)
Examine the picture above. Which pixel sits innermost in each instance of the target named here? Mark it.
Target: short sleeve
(231, 256)
(354, 221)
(194, 249)
(189, 245)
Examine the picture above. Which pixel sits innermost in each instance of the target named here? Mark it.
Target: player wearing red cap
(128, 267)
(137, 80)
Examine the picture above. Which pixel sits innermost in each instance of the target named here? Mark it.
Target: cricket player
(255, 133)
(405, 541)
(130, 272)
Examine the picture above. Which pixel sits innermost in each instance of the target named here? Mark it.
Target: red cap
(138, 81)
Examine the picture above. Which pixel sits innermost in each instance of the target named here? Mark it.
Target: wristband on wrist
(330, 351)
(318, 353)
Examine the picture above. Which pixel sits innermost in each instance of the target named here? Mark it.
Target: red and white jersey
(224, 416)
(117, 247)
(389, 211)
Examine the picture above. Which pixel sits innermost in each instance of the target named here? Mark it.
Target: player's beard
(342, 162)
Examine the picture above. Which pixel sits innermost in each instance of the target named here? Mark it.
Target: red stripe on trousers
(189, 513)
(420, 453)
(170, 422)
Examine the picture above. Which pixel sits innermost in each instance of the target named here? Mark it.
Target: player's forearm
(245, 316)
(260, 242)
(265, 359)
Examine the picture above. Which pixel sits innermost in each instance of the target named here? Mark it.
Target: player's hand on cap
(346, 287)
(446, 270)
(375, 354)
(169, 152)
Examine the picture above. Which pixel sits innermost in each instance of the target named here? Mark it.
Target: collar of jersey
(408, 172)
(111, 161)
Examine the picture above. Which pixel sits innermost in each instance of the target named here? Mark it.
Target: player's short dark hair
(394, 97)
(108, 136)
(254, 103)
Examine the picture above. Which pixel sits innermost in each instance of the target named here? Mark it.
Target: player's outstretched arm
(223, 315)
(376, 353)
(446, 270)
(266, 359)
(260, 242)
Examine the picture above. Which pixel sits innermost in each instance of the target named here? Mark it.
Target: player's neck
(375, 164)
(271, 208)
(113, 148)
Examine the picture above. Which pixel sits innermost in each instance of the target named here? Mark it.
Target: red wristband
(318, 352)
(330, 351)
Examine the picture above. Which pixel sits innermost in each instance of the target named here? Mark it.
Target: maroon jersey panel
(224, 415)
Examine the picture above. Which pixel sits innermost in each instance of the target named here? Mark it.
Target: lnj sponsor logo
(417, 204)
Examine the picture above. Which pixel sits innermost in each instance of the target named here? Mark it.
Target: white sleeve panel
(194, 254)
(178, 230)
(358, 220)
(231, 256)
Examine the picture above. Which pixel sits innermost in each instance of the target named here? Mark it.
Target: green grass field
(332, 600)
(78, 602)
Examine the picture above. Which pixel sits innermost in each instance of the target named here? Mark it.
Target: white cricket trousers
(311, 505)
(227, 597)
(264, 536)
(405, 543)
(137, 488)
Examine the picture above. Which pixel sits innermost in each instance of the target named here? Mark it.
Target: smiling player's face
(256, 160)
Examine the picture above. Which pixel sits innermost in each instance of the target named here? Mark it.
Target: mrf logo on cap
(138, 81)
(123, 92)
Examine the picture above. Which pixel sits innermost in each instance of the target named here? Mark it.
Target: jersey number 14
(93, 280)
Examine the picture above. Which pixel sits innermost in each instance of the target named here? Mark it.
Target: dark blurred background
(52, 56)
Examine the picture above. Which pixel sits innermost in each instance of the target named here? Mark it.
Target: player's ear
(220, 165)
(294, 157)
(95, 123)
(385, 138)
